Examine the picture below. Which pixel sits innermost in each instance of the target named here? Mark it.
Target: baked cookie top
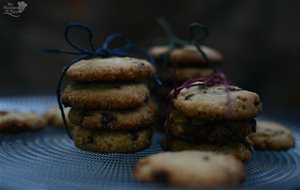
(211, 102)
(94, 96)
(187, 54)
(271, 135)
(190, 168)
(110, 69)
(16, 121)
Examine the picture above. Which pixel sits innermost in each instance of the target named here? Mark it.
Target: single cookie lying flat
(104, 96)
(16, 121)
(190, 168)
(237, 149)
(107, 141)
(211, 102)
(272, 136)
(110, 69)
(115, 120)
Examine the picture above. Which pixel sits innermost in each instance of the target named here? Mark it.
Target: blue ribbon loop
(104, 51)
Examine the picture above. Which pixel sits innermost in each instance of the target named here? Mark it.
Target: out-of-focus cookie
(104, 96)
(108, 141)
(211, 102)
(17, 121)
(190, 168)
(110, 69)
(54, 118)
(185, 73)
(271, 135)
(115, 120)
(237, 149)
(187, 54)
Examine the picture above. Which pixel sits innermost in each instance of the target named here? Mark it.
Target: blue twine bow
(197, 33)
(104, 51)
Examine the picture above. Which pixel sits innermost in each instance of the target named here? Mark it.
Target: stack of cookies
(182, 64)
(110, 104)
(209, 118)
(178, 66)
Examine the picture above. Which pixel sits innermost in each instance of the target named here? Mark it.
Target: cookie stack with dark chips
(179, 65)
(209, 118)
(110, 104)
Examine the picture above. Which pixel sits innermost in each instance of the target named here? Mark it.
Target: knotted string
(104, 51)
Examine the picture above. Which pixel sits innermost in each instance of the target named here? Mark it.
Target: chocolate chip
(107, 119)
(188, 97)
(160, 176)
(89, 140)
(256, 102)
(206, 158)
(134, 135)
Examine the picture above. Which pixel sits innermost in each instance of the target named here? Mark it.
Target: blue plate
(49, 160)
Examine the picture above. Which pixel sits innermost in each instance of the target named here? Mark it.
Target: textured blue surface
(49, 160)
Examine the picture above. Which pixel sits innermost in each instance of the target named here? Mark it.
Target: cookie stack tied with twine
(109, 98)
(208, 114)
(180, 61)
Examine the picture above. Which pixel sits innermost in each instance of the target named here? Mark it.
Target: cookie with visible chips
(17, 121)
(273, 136)
(108, 141)
(211, 102)
(110, 69)
(140, 117)
(190, 168)
(107, 96)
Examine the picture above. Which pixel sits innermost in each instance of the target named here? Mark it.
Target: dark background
(260, 40)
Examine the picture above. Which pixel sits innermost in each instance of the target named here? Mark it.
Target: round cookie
(237, 149)
(271, 135)
(107, 141)
(187, 54)
(104, 96)
(190, 168)
(16, 122)
(110, 69)
(211, 102)
(54, 118)
(115, 120)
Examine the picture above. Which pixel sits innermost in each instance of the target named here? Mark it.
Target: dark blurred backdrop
(260, 40)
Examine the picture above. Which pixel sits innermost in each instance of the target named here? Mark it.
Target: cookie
(273, 136)
(187, 54)
(107, 141)
(237, 149)
(104, 96)
(53, 117)
(190, 168)
(197, 130)
(16, 121)
(185, 73)
(115, 120)
(211, 102)
(110, 69)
